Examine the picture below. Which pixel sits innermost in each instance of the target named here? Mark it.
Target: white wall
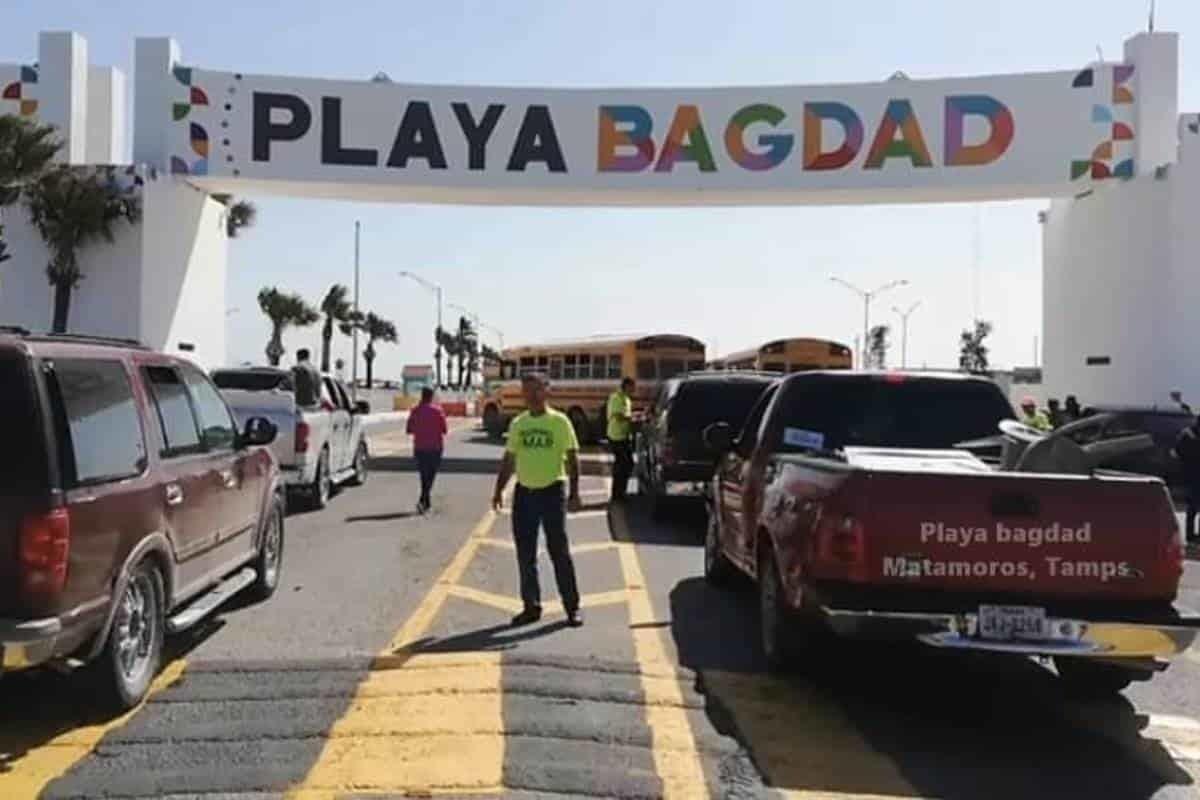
(185, 258)
(1120, 280)
(104, 303)
(106, 116)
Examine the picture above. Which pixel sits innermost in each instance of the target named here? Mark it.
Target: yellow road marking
(576, 549)
(673, 746)
(514, 604)
(28, 774)
(803, 742)
(418, 723)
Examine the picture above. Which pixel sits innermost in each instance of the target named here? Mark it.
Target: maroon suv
(131, 506)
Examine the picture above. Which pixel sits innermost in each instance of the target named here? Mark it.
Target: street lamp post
(867, 297)
(904, 331)
(437, 290)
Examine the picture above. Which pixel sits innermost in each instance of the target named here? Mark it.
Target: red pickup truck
(857, 504)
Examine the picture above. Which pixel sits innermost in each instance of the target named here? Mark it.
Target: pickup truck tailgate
(950, 523)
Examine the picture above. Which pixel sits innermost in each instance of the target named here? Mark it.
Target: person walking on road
(620, 436)
(427, 425)
(1187, 450)
(544, 452)
(306, 380)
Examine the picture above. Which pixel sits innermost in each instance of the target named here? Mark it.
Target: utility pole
(867, 297)
(904, 332)
(354, 336)
(437, 341)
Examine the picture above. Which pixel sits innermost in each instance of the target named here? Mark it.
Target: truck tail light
(43, 552)
(302, 432)
(842, 547)
(1172, 542)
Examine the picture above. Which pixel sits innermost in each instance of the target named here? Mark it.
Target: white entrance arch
(1067, 135)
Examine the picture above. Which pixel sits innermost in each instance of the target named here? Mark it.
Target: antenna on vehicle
(1150, 26)
(1100, 54)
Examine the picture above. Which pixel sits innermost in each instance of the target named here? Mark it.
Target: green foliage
(284, 311)
(337, 310)
(972, 352)
(26, 150)
(877, 347)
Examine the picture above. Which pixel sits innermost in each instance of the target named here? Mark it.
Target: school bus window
(527, 365)
(600, 367)
(585, 365)
(647, 369)
(669, 367)
(556, 368)
(775, 366)
(695, 366)
(542, 363)
(569, 367)
(803, 367)
(614, 367)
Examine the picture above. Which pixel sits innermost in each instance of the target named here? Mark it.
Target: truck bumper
(27, 643)
(298, 475)
(1073, 637)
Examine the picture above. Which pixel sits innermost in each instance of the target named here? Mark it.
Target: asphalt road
(385, 666)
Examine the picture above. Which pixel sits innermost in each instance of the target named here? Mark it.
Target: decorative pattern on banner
(197, 136)
(21, 91)
(1112, 156)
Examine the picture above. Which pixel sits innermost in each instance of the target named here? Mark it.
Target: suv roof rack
(90, 338)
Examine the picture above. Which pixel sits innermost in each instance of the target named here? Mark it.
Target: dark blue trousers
(428, 463)
(545, 508)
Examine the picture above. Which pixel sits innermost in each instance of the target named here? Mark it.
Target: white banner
(1029, 135)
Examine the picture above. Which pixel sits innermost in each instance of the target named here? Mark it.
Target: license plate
(1012, 622)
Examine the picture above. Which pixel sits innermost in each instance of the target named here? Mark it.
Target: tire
(1085, 678)
(493, 423)
(718, 570)
(789, 639)
(132, 654)
(583, 429)
(321, 489)
(361, 467)
(269, 562)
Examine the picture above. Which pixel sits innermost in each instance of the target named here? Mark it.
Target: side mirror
(362, 407)
(718, 438)
(258, 431)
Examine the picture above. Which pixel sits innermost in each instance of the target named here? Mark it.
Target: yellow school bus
(789, 355)
(584, 372)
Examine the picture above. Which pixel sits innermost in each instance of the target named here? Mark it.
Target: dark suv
(672, 447)
(131, 506)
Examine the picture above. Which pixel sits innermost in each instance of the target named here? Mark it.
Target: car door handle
(174, 494)
(229, 479)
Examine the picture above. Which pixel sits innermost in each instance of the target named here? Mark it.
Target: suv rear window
(24, 464)
(700, 403)
(887, 412)
(103, 425)
(252, 381)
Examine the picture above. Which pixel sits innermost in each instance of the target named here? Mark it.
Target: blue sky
(733, 277)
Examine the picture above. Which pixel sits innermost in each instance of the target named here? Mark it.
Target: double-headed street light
(437, 290)
(867, 297)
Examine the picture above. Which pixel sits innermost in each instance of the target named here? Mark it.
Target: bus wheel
(583, 430)
(492, 423)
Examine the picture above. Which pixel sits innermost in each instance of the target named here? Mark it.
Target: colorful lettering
(635, 131)
(686, 141)
(815, 156)
(1000, 122)
(898, 117)
(778, 145)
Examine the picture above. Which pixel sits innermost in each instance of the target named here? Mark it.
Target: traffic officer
(620, 436)
(1032, 416)
(544, 452)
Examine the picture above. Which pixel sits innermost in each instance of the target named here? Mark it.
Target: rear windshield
(701, 403)
(252, 381)
(24, 464)
(885, 412)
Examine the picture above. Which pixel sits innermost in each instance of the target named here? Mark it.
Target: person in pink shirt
(427, 426)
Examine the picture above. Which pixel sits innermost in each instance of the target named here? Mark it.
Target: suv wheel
(322, 485)
(717, 569)
(133, 653)
(360, 465)
(270, 552)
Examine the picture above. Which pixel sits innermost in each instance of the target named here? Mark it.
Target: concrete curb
(383, 417)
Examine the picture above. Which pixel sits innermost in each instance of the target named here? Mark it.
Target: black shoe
(574, 619)
(527, 617)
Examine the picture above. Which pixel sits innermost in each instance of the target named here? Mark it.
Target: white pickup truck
(318, 447)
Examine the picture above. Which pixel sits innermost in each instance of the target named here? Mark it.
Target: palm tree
(877, 347)
(467, 343)
(972, 352)
(377, 329)
(72, 207)
(26, 150)
(337, 309)
(284, 311)
(238, 214)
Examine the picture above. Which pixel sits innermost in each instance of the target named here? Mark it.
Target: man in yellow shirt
(544, 452)
(620, 436)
